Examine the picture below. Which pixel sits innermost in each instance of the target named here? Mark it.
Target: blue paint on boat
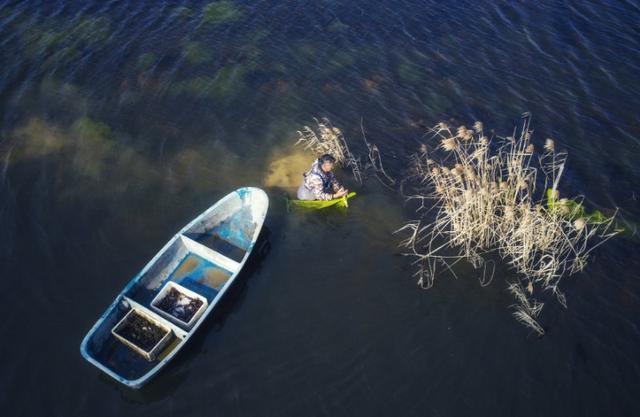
(235, 220)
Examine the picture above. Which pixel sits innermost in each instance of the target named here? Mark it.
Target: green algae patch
(61, 57)
(37, 41)
(91, 147)
(304, 52)
(38, 139)
(228, 82)
(435, 103)
(196, 53)
(251, 57)
(337, 26)
(88, 127)
(88, 163)
(86, 146)
(146, 60)
(278, 68)
(65, 40)
(342, 59)
(573, 210)
(91, 30)
(219, 12)
(60, 97)
(182, 12)
(197, 87)
(259, 35)
(409, 72)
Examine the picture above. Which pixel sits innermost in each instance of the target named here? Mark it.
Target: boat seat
(209, 254)
(201, 289)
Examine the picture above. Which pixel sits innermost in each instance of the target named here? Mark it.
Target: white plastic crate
(151, 354)
(186, 292)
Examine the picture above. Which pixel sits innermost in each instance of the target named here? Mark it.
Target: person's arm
(337, 187)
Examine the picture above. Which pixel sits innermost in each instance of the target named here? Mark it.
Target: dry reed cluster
(484, 190)
(329, 139)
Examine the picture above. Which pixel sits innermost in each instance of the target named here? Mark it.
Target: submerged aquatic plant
(196, 53)
(329, 139)
(146, 61)
(485, 196)
(223, 11)
(65, 40)
(85, 126)
(227, 83)
(182, 12)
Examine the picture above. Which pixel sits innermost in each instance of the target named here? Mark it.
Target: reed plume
(329, 139)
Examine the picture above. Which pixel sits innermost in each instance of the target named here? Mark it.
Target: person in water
(320, 183)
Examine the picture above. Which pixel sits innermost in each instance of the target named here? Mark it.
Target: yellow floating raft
(320, 204)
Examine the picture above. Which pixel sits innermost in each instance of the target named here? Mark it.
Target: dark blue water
(121, 121)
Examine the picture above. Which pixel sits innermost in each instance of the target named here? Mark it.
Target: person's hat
(326, 158)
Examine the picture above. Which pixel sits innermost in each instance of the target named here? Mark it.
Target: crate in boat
(178, 304)
(142, 333)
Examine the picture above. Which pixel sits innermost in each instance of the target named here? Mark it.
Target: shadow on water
(176, 372)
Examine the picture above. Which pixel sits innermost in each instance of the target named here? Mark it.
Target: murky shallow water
(123, 121)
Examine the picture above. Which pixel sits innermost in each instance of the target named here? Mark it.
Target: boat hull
(205, 257)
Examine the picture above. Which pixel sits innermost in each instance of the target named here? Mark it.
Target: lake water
(122, 121)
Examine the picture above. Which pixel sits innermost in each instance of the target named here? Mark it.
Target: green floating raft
(320, 204)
